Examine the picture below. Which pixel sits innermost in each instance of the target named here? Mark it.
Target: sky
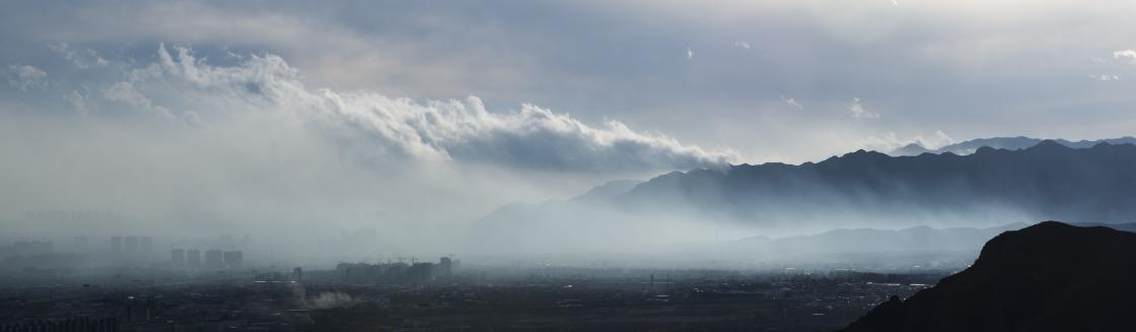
(526, 100)
(764, 81)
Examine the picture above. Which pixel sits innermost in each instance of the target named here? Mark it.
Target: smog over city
(586, 165)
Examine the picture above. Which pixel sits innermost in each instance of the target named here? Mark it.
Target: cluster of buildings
(131, 247)
(212, 258)
(34, 254)
(27, 248)
(400, 272)
(45, 254)
(119, 250)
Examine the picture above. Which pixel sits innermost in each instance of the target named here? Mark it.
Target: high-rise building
(193, 257)
(178, 257)
(445, 267)
(116, 246)
(32, 247)
(81, 244)
(131, 245)
(233, 258)
(146, 246)
(214, 258)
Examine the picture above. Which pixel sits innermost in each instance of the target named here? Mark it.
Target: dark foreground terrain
(622, 300)
(787, 303)
(1047, 277)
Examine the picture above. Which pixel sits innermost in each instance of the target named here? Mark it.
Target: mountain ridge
(876, 180)
(1006, 143)
(858, 189)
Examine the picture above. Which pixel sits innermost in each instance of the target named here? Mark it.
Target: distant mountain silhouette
(1047, 277)
(861, 189)
(868, 240)
(1006, 143)
(911, 248)
(608, 190)
(913, 149)
(1046, 181)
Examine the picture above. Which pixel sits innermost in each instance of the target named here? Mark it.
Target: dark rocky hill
(1047, 277)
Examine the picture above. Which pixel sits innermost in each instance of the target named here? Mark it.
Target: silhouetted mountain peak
(984, 149)
(864, 155)
(1048, 146)
(1047, 277)
(912, 149)
(1047, 226)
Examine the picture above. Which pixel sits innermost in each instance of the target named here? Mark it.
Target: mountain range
(1047, 277)
(1007, 143)
(1046, 181)
(860, 189)
(868, 241)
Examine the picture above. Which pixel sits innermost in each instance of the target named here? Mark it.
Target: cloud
(951, 73)
(742, 44)
(858, 111)
(78, 102)
(689, 54)
(25, 77)
(1105, 77)
(1129, 54)
(125, 92)
(83, 59)
(371, 125)
(938, 140)
(792, 102)
(891, 141)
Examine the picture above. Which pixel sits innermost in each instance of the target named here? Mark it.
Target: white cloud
(377, 126)
(858, 111)
(124, 92)
(83, 59)
(742, 44)
(442, 51)
(938, 140)
(1105, 77)
(792, 102)
(1129, 54)
(891, 141)
(25, 77)
(78, 102)
(689, 54)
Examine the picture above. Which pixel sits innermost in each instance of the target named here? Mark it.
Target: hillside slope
(1047, 277)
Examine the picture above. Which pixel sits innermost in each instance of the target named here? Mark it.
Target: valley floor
(693, 300)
